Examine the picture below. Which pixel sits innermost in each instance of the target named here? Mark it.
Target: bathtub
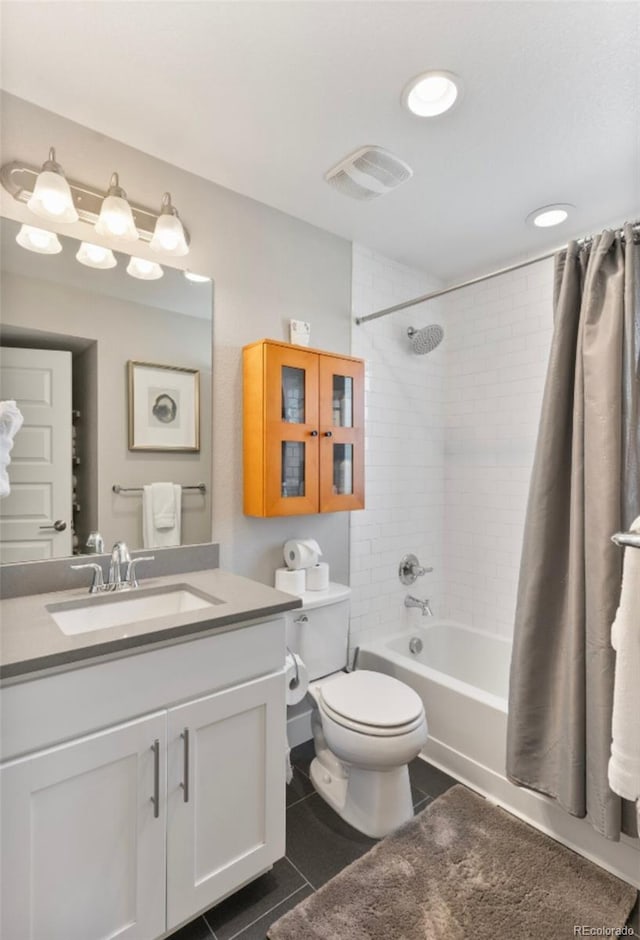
(462, 677)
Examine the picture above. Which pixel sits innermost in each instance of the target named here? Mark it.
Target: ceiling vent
(368, 172)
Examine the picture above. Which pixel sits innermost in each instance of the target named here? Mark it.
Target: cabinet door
(226, 792)
(291, 431)
(83, 851)
(341, 434)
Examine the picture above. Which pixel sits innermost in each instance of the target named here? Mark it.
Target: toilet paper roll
(297, 679)
(318, 577)
(293, 582)
(301, 553)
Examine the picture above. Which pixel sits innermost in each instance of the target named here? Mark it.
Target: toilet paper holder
(295, 682)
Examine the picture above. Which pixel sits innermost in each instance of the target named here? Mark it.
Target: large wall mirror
(68, 334)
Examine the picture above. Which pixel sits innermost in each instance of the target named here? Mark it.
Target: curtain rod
(476, 280)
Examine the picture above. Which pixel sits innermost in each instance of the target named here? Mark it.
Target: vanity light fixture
(144, 270)
(116, 217)
(95, 256)
(51, 197)
(432, 93)
(196, 278)
(39, 240)
(548, 216)
(46, 190)
(168, 235)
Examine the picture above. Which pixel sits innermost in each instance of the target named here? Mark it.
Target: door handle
(314, 433)
(328, 433)
(58, 525)
(185, 777)
(155, 799)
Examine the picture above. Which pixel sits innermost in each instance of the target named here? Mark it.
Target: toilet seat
(371, 703)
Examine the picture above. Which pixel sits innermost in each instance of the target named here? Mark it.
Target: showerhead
(425, 340)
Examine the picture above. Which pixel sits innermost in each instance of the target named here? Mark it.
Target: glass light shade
(38, 240)
(432, 93)
(95, 256)
(51, 198)
(116, 218)
(144, 270)
(169, 235)
(196, 278)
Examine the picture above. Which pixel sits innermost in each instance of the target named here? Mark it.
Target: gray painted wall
(267, 268)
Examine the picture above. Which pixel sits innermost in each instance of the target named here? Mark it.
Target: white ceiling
(263, 97)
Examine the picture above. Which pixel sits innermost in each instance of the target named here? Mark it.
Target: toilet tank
(319, 631)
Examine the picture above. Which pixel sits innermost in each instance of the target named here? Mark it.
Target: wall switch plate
(299, 332)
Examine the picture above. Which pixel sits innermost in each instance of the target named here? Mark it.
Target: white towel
(624, 764)
(10, 423)
(161, 514)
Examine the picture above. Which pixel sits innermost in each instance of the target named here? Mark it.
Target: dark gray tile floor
(319, 845)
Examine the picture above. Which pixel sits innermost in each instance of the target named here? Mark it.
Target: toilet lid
(371, 698)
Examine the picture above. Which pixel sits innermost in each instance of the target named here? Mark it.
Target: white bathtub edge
(620, 858)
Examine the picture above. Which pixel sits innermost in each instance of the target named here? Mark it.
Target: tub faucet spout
(425, 607)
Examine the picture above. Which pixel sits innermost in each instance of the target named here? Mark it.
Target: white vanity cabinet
(132, 830)
(83, 855)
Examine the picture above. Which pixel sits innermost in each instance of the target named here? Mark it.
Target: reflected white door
(35, 519)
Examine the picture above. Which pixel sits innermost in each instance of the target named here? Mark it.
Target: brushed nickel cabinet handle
(185, 781)
(155, 799)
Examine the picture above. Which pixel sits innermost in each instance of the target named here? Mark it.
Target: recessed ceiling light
(548, 216)
(196, 278)
(432, 93)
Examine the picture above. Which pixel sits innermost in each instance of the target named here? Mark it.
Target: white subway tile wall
(403, 450)
(497, 349)
(450, 439)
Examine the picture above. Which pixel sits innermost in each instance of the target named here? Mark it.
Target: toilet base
(375, 802)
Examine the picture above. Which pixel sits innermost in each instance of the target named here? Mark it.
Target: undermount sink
(128, 607)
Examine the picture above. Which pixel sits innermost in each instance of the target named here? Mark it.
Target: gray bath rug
(461, 870)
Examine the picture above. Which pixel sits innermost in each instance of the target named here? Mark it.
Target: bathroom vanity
(143, 764)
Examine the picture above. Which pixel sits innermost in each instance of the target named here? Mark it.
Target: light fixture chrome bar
(627, 539)
(475, 280)
(201, 487)
(19, 180)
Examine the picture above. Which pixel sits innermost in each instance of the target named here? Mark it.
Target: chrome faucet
(425, 607)
(119, 556)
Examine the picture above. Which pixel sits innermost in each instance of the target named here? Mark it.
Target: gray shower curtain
(585, 486)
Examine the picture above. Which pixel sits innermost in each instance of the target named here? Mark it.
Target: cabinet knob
(328, 433)
(314, 434)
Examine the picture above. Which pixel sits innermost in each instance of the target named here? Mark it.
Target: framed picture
(164, 407)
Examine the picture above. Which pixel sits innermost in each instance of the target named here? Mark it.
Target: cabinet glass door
(292, 431)
(341, 434)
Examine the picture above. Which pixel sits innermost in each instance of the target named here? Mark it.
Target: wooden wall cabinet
(303, 430)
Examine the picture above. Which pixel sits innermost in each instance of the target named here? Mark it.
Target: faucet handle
(97, 583)
(410, 569)
(132, 581)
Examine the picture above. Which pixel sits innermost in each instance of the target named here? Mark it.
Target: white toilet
(366, 726)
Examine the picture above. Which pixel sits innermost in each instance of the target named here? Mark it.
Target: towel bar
(627, 539)
(201, 487)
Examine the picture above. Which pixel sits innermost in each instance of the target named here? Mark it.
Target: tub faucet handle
(410, 569)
